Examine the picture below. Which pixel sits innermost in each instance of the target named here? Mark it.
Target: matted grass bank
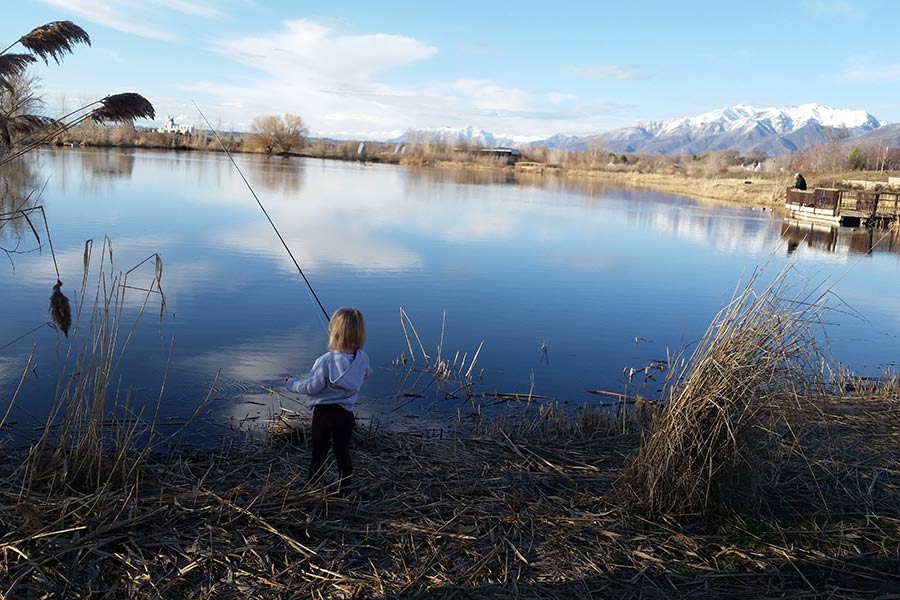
(509, 512)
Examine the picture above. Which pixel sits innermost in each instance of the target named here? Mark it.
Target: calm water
(586, 268)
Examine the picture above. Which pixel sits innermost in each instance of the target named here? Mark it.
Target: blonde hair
(348, 330)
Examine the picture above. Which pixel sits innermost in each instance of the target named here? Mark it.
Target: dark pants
(331, 421)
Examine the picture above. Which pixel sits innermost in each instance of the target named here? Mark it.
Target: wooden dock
(846, 207)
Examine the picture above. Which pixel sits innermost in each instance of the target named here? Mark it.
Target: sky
(373, 70)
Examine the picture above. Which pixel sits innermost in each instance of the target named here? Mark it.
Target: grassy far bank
(759, 476)
(718, 176)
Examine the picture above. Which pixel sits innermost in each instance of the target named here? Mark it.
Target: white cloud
(111, 15)
(306, 49)
(145, 19)
(197, 8)
(835, 9)
(561, 97)
(604, 72)
(338, 82)
(872, 73)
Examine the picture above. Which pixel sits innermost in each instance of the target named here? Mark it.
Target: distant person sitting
(799, 183)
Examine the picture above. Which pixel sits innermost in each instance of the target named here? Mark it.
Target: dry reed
(451, 378)
(11, 65)
(714, 445)
(60, 311)
(54, 40)
(125, 107)
(510, 511)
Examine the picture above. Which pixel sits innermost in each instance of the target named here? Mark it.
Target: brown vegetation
(793, 486)
(276, 135)
(715, 445)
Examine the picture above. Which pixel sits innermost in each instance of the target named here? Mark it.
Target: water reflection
(19, 189)
(276, 174)
(838, 240)
(582, 186)
(517, 260)
(108, 165)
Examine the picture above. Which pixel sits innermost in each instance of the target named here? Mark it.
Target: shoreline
(745, 189)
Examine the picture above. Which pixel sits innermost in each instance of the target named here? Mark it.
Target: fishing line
(265, 212)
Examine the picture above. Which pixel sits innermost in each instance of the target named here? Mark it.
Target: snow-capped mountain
(742, 128)
(888, 135)
(463, 136)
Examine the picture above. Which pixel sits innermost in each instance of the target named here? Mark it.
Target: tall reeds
(716, 442)
(451, 377)
(90, 437)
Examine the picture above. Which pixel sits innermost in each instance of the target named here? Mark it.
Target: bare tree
(595, 153)
(19, 109)
(279, 134)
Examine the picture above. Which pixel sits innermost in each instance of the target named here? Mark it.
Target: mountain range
(743, 128)
(464, 136)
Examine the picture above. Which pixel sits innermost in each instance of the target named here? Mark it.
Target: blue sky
(375, 69)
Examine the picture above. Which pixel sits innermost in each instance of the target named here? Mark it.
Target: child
(333, 387)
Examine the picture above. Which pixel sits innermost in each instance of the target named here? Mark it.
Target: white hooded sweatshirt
(335, 378)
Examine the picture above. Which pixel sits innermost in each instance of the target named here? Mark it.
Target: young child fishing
(333, 387)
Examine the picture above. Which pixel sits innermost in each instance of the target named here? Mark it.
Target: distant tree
(834, 155)
(19, 109)
(279, 134)
(595, 153)
(757, 156)
(858, 159)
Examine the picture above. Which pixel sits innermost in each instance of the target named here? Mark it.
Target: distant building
(171, 127)
(512, 155)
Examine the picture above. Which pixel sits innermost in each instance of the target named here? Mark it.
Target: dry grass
(449, 378)
(89, 441)
(531, 512)
(715, 444)
(762, 190)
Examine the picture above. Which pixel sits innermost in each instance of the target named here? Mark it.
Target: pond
(567, 284)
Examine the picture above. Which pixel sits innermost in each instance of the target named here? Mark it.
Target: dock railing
(819, 198)
(859, 203)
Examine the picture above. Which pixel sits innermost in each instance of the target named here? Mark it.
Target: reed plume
(54, 40)
(12, 65)
(123, 107)
(60, 310)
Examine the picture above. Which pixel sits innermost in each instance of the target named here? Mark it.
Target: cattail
(54, 40)
(60, 310)
(123, 107)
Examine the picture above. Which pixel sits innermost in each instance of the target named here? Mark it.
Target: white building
(171, 127)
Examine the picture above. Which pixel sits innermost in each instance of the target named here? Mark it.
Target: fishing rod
(265, 212)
